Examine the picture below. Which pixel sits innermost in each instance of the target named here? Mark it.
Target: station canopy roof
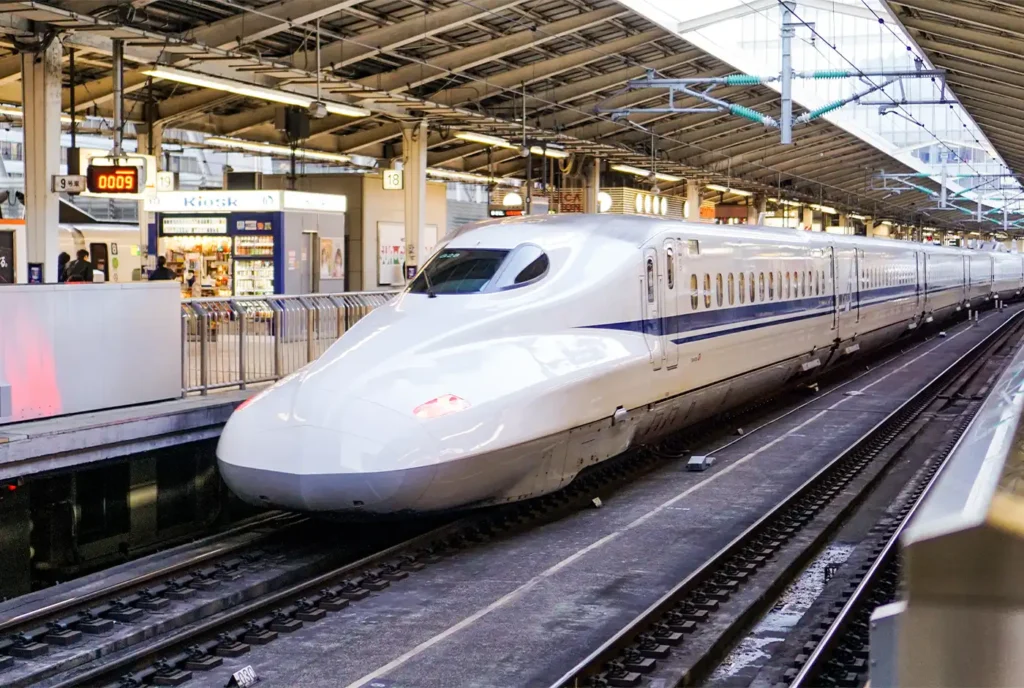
(539, 69)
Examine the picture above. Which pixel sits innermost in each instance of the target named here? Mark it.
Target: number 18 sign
(393, 180)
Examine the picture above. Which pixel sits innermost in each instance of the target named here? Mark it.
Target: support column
(693, 188)
(41, 85)
(414, 154)
(593, 186)
(148, 143)
(758, 206)
(807, 219)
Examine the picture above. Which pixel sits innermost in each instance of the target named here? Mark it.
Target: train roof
(636, 229)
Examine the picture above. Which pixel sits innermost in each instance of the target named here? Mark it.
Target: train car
(113, 248)
(527, 350)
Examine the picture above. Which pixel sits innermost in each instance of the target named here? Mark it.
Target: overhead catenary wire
(585, 114)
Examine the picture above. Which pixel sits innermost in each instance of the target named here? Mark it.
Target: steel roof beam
(440, 66)
(249, 27)
(973, 14)
(545, 69)
(962, 33)
(101, 90)
(375, 41)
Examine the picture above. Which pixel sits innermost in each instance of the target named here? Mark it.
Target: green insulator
(752, 115)
(815, 114)
(742, 80)
(830, 74)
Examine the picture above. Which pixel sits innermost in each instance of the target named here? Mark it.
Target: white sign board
(394, 180)
(165, 181)
(68, 183)
(390, 253)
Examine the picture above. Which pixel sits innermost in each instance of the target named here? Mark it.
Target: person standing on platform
(62, 265)
(80, 269)
(162, 272)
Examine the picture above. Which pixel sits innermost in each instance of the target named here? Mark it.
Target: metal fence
(245, 340)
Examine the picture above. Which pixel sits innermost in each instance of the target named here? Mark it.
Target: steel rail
(593, 663)
(63, 606)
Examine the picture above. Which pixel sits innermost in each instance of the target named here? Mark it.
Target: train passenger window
(743, 287)
(694, 301)
(785, 293)
(718, 289)
(780, 284)
(752, 288)
(693, 247)
(771, 286)
(732, 289)
(810, 283)
(760, 285)
(707, 290)
(670, 268)
(824, 284)
(803, 284)
(650, 280)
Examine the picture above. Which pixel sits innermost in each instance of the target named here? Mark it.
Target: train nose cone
(327, 455)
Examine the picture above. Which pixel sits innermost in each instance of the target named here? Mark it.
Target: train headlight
(440, 406)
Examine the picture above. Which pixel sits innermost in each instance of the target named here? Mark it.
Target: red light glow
(440, 406)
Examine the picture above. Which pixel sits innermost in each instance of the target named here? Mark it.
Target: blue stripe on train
(752, 317)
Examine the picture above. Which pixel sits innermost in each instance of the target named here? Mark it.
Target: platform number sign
(393, 180)
(244, 677)
(68, 183)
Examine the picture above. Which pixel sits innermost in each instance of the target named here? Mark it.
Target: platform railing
(240, 341)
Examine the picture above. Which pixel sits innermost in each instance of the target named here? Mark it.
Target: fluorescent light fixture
(549, 152)
(726, 189)
(240, 88)
(17, 113)
(469, 177)
(640, 172)
(783, 201)
(828, 210)
(272, 149)
(857, 216)
(485, 139)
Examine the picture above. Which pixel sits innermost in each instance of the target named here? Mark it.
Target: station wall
(369, 205)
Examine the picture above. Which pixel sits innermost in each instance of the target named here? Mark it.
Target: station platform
(51, 444)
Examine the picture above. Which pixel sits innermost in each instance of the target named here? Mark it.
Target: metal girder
(734, 148)
(233, 125)
(994, 61)
(543, 69)
(972, 14)
(385, 38)
(248, 27)
(791, 164)
(963, 33)
(368, 137)
(417, 74)
(184, 105)
(101, 90)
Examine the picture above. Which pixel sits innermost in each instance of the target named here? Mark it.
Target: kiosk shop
(250, 243)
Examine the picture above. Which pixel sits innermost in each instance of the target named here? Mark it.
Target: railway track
(172, 653)
(684, 636)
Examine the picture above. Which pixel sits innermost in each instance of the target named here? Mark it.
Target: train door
(967, 277)
(834, 285)
(670, 303)
(99, 259)
(858, 266)
(922, 279)
(651, 296)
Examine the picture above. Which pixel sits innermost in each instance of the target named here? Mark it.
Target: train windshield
(459, 271)
(475, 270)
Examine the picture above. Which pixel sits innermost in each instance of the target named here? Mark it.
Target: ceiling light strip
(182, 76)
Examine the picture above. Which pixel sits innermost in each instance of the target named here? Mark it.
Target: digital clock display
(113, 179)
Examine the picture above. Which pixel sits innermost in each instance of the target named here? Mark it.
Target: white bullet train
(528, 349)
